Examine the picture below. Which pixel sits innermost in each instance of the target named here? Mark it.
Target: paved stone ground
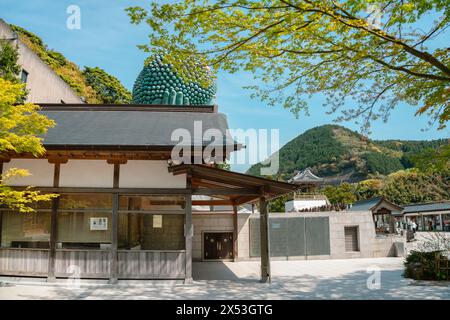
(319, 279)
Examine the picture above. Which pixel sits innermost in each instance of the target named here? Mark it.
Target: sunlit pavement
(315, 279)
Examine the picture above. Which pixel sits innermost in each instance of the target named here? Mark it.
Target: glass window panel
(42, 205)
(25, 230)
(139, 231)
(150, 203)
(446, 222)
(85, 201)
(84, 230)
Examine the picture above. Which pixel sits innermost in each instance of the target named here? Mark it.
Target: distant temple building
(307, 179)
(306, 198)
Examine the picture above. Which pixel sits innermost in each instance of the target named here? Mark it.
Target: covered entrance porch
(128, 233)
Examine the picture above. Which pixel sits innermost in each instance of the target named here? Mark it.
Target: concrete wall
(43, 84)
(219, 222)
(370, 244)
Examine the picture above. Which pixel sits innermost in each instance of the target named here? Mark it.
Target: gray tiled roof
(126, 128)
(436, 206)
(365, 205)
(306, 176)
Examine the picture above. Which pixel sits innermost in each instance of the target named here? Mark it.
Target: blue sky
(107, 39)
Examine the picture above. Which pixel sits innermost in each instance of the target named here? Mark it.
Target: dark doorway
(218, 245)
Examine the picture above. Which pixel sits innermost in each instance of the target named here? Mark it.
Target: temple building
(306, 197)
(125, 207)
(387, 216)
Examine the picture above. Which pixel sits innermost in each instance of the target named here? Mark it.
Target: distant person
(414, 226)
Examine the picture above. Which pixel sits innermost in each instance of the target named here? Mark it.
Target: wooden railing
(151, 264)
(443, 269)
(82, 263)
(30, 262)
(142, 264)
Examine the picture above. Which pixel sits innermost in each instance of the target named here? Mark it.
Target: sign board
(157, 221)
(98, 223)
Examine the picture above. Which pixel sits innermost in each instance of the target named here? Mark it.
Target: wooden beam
(212, 202)
(225, 191)
(245, 199)
(53, 226)
(210, 184)
(188, 229)
(58, 159)
(116, 175)
(168, 191)
(264, 232)
(113, 266)
(116, 160)
(235, 233)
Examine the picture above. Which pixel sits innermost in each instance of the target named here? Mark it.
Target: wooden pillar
(235, 233)
(391, 224)
(114, 243)
(113, 256)
(188, 229)
(2, 161)
(53, 226)
(264, 232)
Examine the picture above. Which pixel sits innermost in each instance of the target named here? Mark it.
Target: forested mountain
(93, 84)
(340, 154)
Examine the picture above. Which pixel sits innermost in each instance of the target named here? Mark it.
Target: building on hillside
(309, 181)
(307, 198)
(387, 216)
(42, 83)
(434, 216)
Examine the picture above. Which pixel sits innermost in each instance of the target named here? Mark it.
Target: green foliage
(430, 159)
(94, 84)
(9, 69)
(311, 149)
(428, 262)
(20, 128)
(277, 205)
(379, 163)
(335, 151)
(414, 186)
(301, 48)
(402, 187)
(421, 265)
(368, 189)
(342, 194)
(224, 166)
(407, 186)
(107, 87)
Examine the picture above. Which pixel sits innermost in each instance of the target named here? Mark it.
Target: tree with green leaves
(342, 194)
(20, 127)
(108, 87)
(376, 53)
(9, 56)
